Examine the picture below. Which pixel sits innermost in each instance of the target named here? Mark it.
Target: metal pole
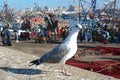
(93, 19)
(94, 11)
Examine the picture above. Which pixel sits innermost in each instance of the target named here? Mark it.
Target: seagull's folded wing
(56, 54)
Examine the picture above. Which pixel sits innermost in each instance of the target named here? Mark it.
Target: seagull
(64, 51)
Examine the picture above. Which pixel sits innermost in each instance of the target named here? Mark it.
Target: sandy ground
(14, 65)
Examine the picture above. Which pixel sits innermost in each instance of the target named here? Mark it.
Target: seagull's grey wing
(56, 54)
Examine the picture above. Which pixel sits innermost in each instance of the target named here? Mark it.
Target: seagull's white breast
(71, 45)
(72, 50)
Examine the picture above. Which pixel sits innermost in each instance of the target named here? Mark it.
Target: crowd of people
(104, 34)
(52, 31)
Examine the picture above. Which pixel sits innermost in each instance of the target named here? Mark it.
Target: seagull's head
(78, 27)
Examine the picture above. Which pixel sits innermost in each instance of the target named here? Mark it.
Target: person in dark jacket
(3, 36)
(7, 32)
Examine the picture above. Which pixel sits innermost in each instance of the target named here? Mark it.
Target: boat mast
(6, 11)
(114, 8)
(79, 13)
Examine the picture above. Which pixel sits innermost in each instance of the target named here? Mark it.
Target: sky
(21, 4)
(30, 3)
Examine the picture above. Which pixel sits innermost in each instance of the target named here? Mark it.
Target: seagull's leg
(64, 71)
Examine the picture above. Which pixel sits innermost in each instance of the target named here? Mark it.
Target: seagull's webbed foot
(67, 74)
(34, 62)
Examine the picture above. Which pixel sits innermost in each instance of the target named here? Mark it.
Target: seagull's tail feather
(35, 62)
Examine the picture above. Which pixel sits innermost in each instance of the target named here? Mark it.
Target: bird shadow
(21, 71)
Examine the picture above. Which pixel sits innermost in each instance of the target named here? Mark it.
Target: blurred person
(106, 36)
(80, 36)
(8, 34)
(49, 36)
(44, 34)
(16, 28)
(63, 34)
(1, 28)
(36, 32)
(3, 36)
(58, 32)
